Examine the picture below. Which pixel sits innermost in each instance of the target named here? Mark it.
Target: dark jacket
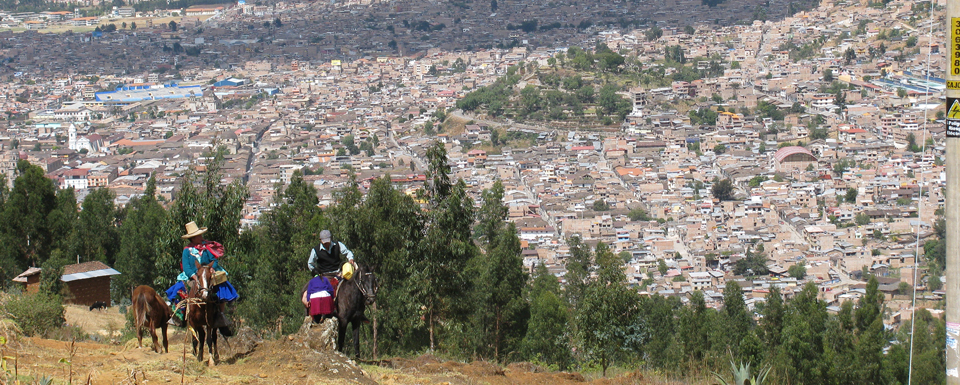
(326, 261)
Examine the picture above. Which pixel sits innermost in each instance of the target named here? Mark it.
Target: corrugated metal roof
(89, 274)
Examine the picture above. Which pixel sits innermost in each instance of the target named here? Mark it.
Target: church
(91, 142)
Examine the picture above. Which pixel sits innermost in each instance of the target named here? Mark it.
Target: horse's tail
(141, 308)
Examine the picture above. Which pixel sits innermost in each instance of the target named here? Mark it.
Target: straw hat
(193, 230)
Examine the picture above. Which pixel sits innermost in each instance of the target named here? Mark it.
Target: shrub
(35, 313)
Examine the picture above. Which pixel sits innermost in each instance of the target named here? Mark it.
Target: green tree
(798, 271)
(384, 232)
(273, 265)
(639, 214)
(140, 243)
(723, 190)
(502, 312)
(736, 317)
(771, 325)
(804, 324)
(546, 337)
(206, 200)
(579, 266)
(446, 246)
(27, 233)
(605, 312)
(97, 233)
(871, 339)
(851, 195)
(600, 205)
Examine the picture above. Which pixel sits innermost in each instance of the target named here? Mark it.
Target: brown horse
(149, 310)
(202, 313)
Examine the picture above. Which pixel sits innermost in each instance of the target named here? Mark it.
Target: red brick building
(88, 282)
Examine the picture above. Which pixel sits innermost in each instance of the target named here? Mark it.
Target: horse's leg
(356, 338)
(201, 337)
(163, 328)
(139, 332)
(212, 345)
(153, 334)
(341, 333)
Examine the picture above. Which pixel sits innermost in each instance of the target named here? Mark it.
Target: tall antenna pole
(953, 193)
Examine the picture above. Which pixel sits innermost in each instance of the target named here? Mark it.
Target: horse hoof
(210, 363)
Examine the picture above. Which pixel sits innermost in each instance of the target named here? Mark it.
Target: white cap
(325, 236)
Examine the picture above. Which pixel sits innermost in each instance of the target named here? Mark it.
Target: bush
(35, 313)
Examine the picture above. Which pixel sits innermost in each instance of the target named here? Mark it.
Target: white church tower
(72, 141)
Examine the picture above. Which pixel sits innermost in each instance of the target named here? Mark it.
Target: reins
(360, 287)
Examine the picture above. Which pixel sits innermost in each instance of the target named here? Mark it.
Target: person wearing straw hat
(205, 252)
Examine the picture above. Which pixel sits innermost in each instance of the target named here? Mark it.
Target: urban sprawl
(840, 184)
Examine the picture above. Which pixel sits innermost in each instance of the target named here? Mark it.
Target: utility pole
(953, 193)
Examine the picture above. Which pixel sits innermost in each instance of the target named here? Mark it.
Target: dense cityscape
(768, 150)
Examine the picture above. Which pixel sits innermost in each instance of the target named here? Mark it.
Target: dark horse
(353, 296)
(150, 311)
(202, 312)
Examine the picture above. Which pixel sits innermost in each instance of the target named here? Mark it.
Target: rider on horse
(325, 263)
(205, 252)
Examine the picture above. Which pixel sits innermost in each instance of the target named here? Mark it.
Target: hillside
(247, 359)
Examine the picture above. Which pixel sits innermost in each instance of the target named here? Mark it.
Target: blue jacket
(189, 258)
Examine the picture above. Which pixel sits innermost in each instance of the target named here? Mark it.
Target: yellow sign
(954, 112)
(335, 62)
(953, 85)
(955, 46)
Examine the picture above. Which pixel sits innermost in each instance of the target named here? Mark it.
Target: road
(461, 115)
(421, 164)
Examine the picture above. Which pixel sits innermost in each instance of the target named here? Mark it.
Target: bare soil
(247, 359)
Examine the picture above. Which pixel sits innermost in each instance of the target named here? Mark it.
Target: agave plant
(741, 375)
